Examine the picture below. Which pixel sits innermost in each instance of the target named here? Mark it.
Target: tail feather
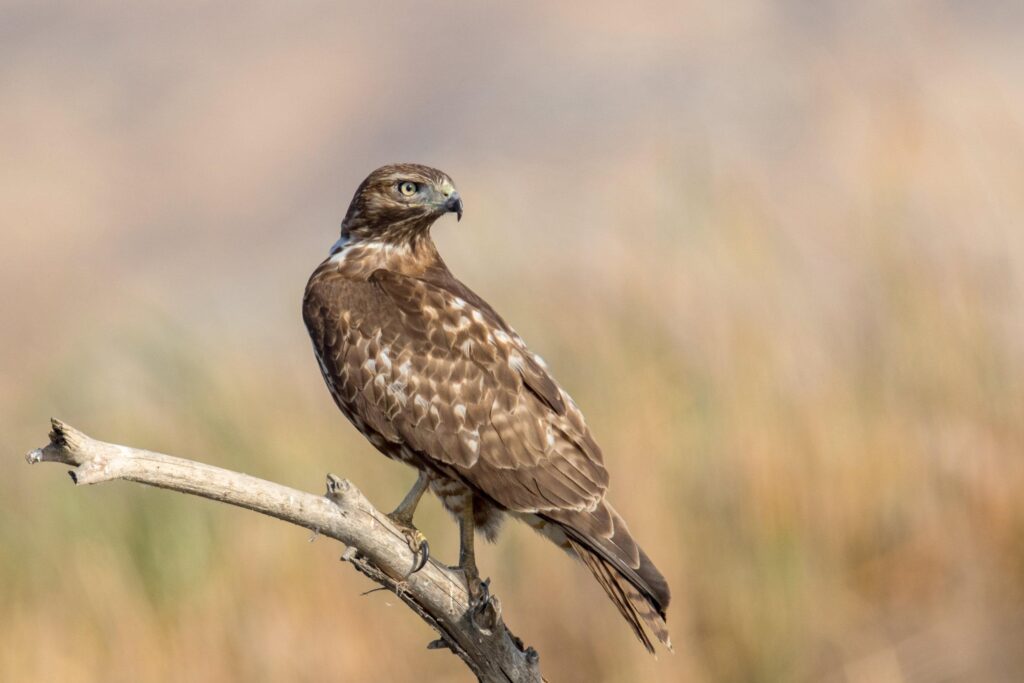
(602, 541)
(631, 603)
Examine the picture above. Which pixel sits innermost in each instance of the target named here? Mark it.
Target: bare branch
(375, 546)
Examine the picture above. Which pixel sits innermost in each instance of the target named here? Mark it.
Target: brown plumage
(435, 378)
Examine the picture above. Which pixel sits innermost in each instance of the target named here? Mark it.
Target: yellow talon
(417, 544)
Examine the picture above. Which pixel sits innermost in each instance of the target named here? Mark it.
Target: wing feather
(505, 426)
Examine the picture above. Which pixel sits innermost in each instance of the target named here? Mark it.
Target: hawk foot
(417, 543)
(484, 609)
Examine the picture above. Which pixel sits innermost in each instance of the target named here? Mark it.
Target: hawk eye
(407, 188)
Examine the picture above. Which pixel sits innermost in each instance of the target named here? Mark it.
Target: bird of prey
(433, 377)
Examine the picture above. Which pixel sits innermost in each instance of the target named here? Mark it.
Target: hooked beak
(454, 204)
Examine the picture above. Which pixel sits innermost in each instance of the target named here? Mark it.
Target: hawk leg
(484, 609)
(402, 517)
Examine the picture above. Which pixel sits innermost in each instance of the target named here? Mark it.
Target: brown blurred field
(775, 251)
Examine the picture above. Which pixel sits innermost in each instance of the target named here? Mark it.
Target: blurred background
(774, 250)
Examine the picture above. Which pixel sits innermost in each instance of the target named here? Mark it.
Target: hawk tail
(600, 539)
(637, 609)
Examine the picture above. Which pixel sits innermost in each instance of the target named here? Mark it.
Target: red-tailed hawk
(435, 378)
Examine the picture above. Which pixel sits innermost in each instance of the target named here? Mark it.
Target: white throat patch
(340, 244)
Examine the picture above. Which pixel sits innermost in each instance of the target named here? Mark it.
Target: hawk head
(399, 202)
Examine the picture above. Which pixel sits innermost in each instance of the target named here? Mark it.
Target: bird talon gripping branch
(420, 551)
(484, 608)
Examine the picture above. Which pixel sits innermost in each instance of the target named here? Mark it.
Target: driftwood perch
(375, 546)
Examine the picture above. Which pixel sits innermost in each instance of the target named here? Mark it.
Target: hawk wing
(430, 365)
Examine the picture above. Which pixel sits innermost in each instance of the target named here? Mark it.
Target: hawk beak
(454, 203)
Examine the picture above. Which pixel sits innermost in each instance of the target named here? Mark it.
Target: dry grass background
(775, 251)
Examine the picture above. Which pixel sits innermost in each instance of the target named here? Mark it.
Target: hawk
(433, 377)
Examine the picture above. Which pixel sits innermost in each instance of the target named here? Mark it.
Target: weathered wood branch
(375, 545)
